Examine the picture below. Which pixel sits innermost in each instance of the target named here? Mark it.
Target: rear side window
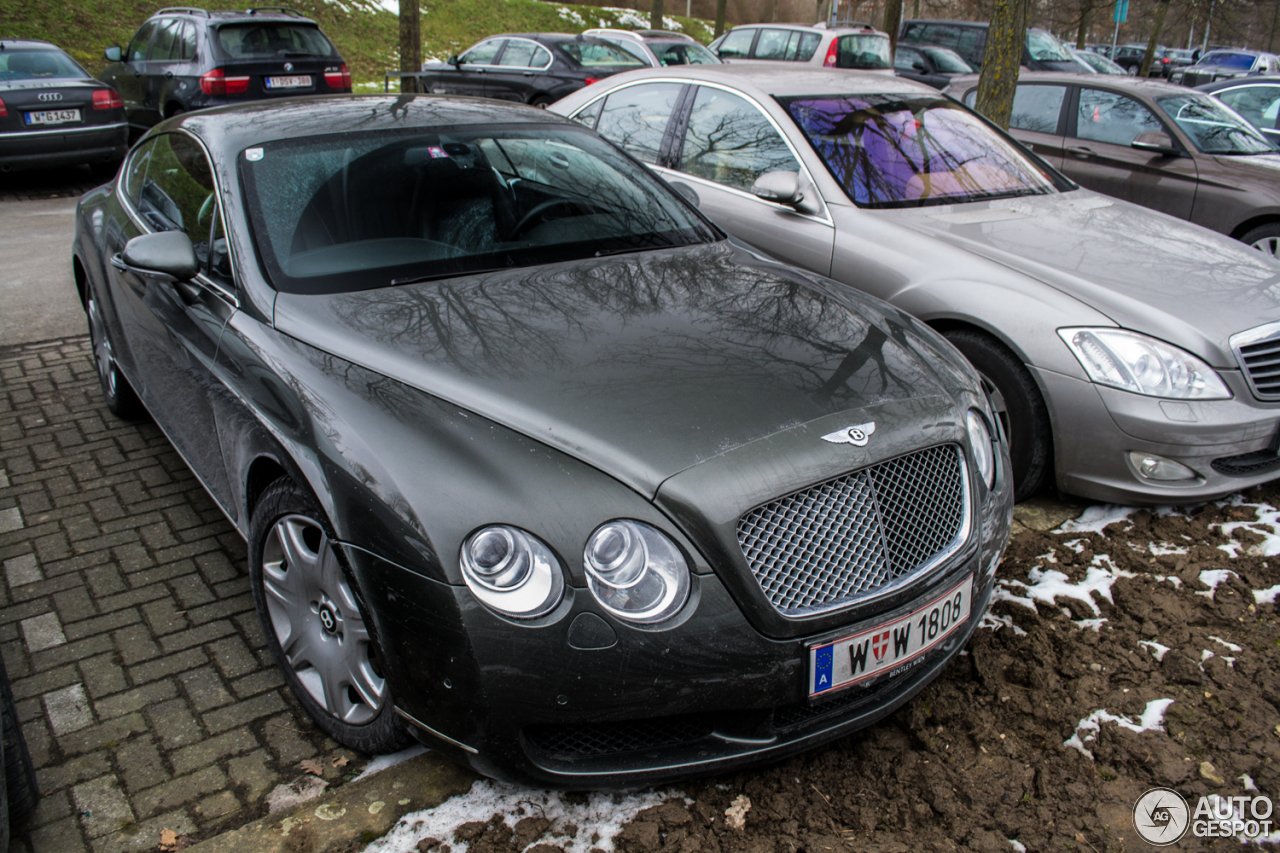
(737, 44)
(167, 40)
(187, 48)
(1037, 108)
(272, 39)
(772, 44)
(730, 141)
(635, 119)
(1113, 118)
(524, 54)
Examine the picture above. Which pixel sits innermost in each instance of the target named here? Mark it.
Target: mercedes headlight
(512, 571)
(984, 454)
(1143, 365)
(636, 572)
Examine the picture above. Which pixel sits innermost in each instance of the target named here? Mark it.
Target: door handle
(1079, 151)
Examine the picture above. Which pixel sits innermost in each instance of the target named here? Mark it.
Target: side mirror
(454, 60)
(113, 53)
(919, 66)
(1155, 141)
(778, 187)
(687, 192)
(167, 254)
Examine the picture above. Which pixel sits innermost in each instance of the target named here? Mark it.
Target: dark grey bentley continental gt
(533, 462)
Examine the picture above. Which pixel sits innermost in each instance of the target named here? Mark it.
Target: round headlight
(984, 455)
(512, 571)
(636, 572)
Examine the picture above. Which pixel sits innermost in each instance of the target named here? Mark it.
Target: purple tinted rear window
(891, 151)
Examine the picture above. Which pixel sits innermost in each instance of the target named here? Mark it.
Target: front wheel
(314, 623)
(116, 390)
(1018, 406)
(1265, 238)
(542, 102)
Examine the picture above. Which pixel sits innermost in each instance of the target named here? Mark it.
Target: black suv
(184, 59)
(1041, 51)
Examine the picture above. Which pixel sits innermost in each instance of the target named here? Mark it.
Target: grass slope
(365, 32)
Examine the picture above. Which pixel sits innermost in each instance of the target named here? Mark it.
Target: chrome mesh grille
(1260, 361)
(841, 540)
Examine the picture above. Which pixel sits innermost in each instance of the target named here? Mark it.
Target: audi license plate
(53, 117)
(888, 648)
(300, 82)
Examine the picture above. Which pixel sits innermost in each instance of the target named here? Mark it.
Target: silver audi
(1130, 355)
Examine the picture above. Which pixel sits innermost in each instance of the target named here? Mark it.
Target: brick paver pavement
(144, 688)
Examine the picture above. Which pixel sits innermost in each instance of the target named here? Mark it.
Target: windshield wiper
(419, 279)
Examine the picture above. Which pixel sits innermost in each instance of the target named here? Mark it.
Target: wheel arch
(1253, 222)
(81, 277)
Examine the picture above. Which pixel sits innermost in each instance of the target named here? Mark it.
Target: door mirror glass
(780, 187)
(168, 253)
(113, 53)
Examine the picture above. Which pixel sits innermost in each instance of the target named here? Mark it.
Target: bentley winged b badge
(858, 435)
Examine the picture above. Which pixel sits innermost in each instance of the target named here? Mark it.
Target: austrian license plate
(299, 82)
(53, 117)
(890, 646)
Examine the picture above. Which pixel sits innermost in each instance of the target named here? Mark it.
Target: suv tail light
(830, 61)
(216, 82)
(591, 80)
(4, 111)
(338, 78)
(107, 99)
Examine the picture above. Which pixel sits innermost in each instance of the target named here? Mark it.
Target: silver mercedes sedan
(1131, 356)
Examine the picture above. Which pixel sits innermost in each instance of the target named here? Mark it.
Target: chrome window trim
(127, 204)
(19, 134)
(824, 217)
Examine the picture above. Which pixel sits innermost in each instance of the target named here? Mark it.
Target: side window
(1256, 103)
(971, 43)
(904, 59)
(1112, 117)
(187, 51)
(1038, 108)
(736, 44)
(541, 58)
(636, 118)
(730, 141)
(215, 259)
(177, 193)
(519, 53)
(772, 44)
(137, 51)
(589, 115)
(136, 171)
(808, 44)
(163, 47)
(483, 53)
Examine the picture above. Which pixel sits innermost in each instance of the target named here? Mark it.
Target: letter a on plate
(855, 435)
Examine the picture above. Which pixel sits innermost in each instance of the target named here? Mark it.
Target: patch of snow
(1095, 624)
(1018, 846)
(994, 622)
(598, 820)
(628, 18)
(290, 794)
(382, 762)
(1247, 781)
(1156, 648)
(1160, 549)
(1047, 585)
(1095, 518)
(1051, 557)
(1232, 549)
(570, 16)
(392, 6)
(1077, 545)
(1177, 582)
(1230, 646)
(671, 24)
(1266, 596)
(1267, 524)
(1211, 579)
(1152, 720)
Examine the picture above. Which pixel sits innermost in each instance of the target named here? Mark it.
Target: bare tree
(892, 22)
(1086, 18)
(1002, 61)
(1161, 11)
(720, 10)
(410, 44)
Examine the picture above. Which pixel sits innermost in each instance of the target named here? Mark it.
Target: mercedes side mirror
(166, 254)
(779, 187)
(113, 53)
(1155, 141)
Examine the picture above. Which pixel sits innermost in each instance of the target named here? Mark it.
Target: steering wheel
(538, 209)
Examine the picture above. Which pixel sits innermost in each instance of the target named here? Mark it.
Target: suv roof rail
(843, 25)
(190, 9)
(282, 9)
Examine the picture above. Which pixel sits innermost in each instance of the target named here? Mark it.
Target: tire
(542, 102)
(1019, 407)
(1265, 238)
(314, 623)
(116, 390)
(21, 791)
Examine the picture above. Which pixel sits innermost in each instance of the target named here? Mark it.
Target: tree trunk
(1002, 61)
(892, 23)
(655, 15)
(410, 43)
(915, 12)
(720, 8)
(774, 19)
(1161, 11)
(1275, 24)
(1086, 18)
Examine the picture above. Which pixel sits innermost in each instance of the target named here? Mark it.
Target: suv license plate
(889, 645)
(53, 117)
(288, 82)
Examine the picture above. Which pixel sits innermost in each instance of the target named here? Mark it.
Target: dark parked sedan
(933, 66)
(532, 461)
(1255, 98)
(532, 68)
(53, 113)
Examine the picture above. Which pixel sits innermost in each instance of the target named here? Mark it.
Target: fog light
(1155, 467)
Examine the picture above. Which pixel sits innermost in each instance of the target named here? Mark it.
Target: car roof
(783, 79)
(854, 27)
(1267, 80)
(259, 13)
(1148, 86)
(26, 44)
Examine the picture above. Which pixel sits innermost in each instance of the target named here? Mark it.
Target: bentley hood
(1146, 271)
(641, 365)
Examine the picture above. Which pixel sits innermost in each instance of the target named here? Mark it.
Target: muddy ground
(978, 758)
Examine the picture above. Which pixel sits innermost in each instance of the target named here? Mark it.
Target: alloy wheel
(1270, 245)
(102, 355)
(317, 622)
(999, 407)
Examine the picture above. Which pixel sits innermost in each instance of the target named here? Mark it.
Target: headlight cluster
(984, 453)
(1143, 365)
(634, 570)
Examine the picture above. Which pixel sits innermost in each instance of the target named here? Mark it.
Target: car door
(164, 62)
(1098, 154)
(514, 75)
(468, 76)
(1257, 102)
(724, 142)
(172, 328)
